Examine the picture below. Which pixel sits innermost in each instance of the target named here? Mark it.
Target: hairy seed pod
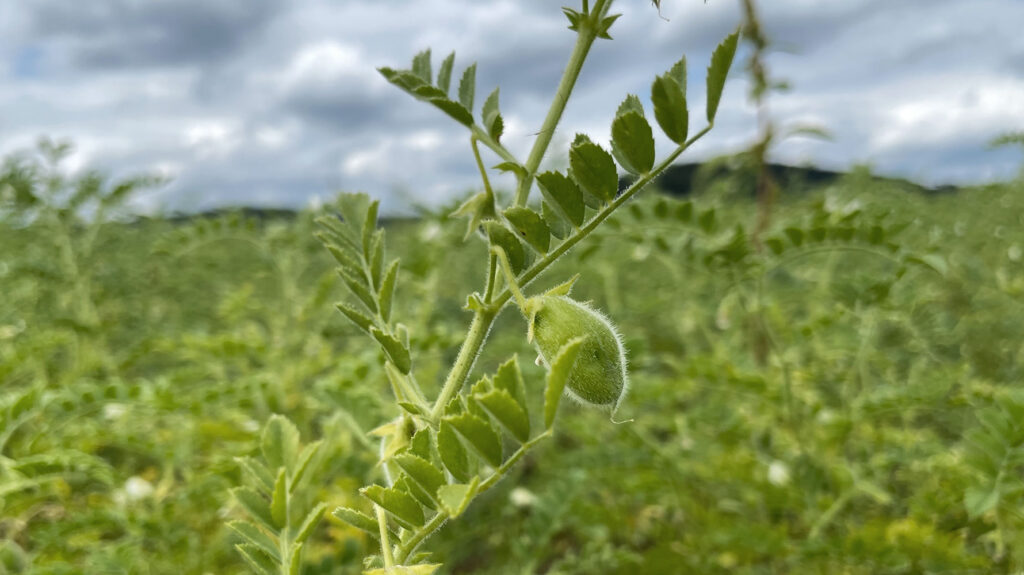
(599, 376)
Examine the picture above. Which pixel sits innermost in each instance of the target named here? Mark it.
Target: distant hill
(684, 179)
(678, 180)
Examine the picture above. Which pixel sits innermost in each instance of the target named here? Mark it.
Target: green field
(841, 394)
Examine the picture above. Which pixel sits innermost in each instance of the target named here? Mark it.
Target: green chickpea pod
(599, 377)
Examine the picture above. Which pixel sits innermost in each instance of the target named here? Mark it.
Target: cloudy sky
(277, 102)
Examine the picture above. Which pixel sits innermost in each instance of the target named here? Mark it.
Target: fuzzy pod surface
(599, 376)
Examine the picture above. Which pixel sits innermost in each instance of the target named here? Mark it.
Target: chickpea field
(638, 351)
(840, 396)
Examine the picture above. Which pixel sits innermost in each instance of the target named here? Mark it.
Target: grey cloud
(124, 33)
(272, 102)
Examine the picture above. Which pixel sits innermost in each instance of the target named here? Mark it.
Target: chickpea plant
(438, 455)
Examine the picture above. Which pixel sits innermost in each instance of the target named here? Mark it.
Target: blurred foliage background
(839, 394)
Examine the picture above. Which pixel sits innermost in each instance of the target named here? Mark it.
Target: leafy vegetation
(839, 395)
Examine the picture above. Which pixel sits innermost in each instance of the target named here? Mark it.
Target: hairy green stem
(495, 146)
(385, 545)
(584, 40)
(492, 274)
(482, 322)
(480, 165)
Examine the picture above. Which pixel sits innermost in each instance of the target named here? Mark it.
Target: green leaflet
(280, 442)
(467, 88)
(387, 291)
(362, 521)
(419, 445)
(258, 559)
(531, 227)
(257, 472)
(631, 103)
(402, 506)
(670, 110)
(423, 472)
(309, 523)
(558, 376)
(633, 142)
(718, 70)
(395, 350)
(377, 259)
(409, 486)
(255, 505)
(453, 454)
(479, 435)
(444, 75)
(421, 66)
(302, 464)
(279, 500)
(510, 378)
(500, 236)
(369, 227)
(501, 405)
(255, 536)
(564, 195)
(356, 284)
(456, 497)
(559, 228)
(357, 317)
(594, 170)
(493, 123)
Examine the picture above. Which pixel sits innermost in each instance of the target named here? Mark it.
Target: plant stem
(507, 465)
(496, 147)
(584, 40)
(478, 330)
(480, 165)
(542, 264)
(409, 545)
(492, 273)
(385, 545)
